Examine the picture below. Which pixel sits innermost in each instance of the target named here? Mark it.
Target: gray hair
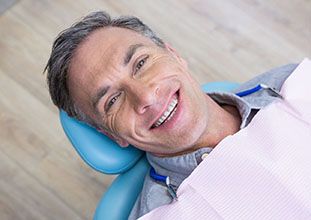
(64, 47)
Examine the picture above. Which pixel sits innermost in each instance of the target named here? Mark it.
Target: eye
(140, 64)
(112, 101)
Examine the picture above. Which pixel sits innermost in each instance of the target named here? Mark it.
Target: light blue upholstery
(219, 86)
(120, 197)
(97, 150)
(105, 156)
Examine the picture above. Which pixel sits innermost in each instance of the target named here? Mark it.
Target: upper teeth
(168, 111)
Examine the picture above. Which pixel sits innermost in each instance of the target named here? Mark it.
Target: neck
(224, 120)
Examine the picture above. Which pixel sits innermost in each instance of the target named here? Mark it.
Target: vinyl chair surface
(104, 155)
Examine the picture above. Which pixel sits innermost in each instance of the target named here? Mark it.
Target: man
(119, 77)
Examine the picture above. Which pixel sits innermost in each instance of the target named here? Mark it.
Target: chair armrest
(118, 201)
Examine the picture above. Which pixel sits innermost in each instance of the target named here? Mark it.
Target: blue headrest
(103, 154)
(97, 150)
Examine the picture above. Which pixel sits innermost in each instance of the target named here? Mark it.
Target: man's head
(118, 76)
(66, 44)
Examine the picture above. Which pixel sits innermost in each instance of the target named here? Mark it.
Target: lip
(169, 124)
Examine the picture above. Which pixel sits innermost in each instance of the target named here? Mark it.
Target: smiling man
(142, 94)
(119, 77)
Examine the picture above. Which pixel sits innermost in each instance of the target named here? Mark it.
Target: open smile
(169, 112)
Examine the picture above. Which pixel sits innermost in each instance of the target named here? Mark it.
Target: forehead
(109, 43)
(103, 47)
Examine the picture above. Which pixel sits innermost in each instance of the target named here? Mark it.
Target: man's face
(141, 93)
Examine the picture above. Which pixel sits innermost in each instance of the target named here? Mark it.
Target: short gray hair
(63, 49)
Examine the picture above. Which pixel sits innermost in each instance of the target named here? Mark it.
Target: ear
(120, 141)
(176, 55)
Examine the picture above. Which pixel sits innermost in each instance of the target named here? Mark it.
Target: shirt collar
(232, 99)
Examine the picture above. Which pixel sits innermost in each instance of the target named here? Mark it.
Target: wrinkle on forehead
(112, 41)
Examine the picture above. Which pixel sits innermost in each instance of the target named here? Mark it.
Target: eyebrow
(130, 52)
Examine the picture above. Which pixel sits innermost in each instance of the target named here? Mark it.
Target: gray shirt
(178, 168)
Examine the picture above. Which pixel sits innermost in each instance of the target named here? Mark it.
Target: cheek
(124, 122)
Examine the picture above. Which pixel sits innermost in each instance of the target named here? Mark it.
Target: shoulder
(273, 78)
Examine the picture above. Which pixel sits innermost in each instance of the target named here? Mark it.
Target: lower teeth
(171, 115)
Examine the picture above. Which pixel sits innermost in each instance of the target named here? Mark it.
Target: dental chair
(105, 156)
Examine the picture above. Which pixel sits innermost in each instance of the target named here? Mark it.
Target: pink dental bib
(262, 172)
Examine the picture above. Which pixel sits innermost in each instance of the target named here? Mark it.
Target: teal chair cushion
(97, 150)
(118, 201)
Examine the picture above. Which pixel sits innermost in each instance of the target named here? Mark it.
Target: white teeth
(167, 113)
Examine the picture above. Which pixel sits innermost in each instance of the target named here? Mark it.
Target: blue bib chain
(165, 179)
(257, 88)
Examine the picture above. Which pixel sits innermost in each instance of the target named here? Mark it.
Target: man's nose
(143, 95)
